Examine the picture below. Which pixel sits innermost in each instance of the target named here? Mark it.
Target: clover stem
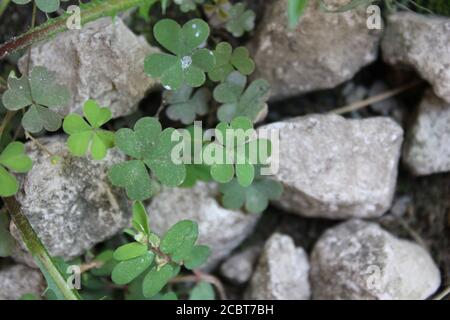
(33, 23)
(38, 144)
(9, 115)
(38, 250)
(200, 276)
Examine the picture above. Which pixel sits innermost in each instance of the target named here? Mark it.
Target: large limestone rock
(17, 280)
(324, 50)
(427, 146)
(423, 43)
(71, 205)
(219, 228)
(336, 168)
(102, 61)
(282, 272)
(359, 260)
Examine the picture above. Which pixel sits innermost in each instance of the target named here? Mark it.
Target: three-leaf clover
(255, 197)
(46, 6)
(240, 20)
(153, 260)
(150, 147)
(188, 5)
(188, 64)
(184, 106)
(84, 134)
(44, 97)
(13, 158)
(236, 151)
(228, 60)
(236, 101)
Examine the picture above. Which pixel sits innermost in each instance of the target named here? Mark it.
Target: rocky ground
(366, 209)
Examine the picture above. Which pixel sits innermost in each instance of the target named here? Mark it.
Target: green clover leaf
(196, 172)
(46, 6)
(152, 148)
(188, 5)
(188, 64)
(184, 106)
(237, 102)
(7, 242)
(13, 158)
(44, 97)
(83, 135)
(202, 291)
(240, 20)
(228, 60)
(255, 197)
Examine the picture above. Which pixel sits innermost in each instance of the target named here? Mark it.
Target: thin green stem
(3, 5)
(37, 249)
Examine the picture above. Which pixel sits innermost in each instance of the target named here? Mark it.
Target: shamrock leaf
(14, 159)
(255, 197)
(184, 106)
(188, 64)
(240, 20)
(7, 242)
(237, 102)
(46, 6)
(202, 291)
(235, 151)
(152, 148)
(188, 5)
(84, 134)
(196, 172)
(228, 60)
(44, 97)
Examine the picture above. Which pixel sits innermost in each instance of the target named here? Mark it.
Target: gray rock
(423, 43)
(71, 205)
(221, 229)
(282, 272)
(239, 267)
(336, 168)
(324, 50)
(17, 280)
(102, 61)
(359, 260)
(427, 148)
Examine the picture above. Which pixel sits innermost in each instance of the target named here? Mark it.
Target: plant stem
(37, 249)
(89, 12)
(199, 276)
(9, 115)
(3, 5)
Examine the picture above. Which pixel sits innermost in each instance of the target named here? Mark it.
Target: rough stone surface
(407, 41)
(17, 280)
(102, 61)
(239, 267)
(221, 229)
(337, 168)
(282, 272)
(71, 205)
(324, 50)
(427, 147)
(360, 260)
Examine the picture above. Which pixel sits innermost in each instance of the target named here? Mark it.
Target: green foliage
(188, 64)
(7, 242)
(196, 172)
(234, 155)
(228, 60)
(84, 134)
(254, 198)
(41, 94)
(188, 5)
(13, 158)
(150, 262)
(151, 147)
(184, 106)
(240, 20)
(46, 6)
(202, 291)
(296, 8)
(236, 101)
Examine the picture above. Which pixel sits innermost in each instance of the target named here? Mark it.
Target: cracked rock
(281, 273)
(423, 43)
(359, 260)
(325, 49)
(427, 148)
(71, 204)
(336, 168)
(103, 61)
(219, 228)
